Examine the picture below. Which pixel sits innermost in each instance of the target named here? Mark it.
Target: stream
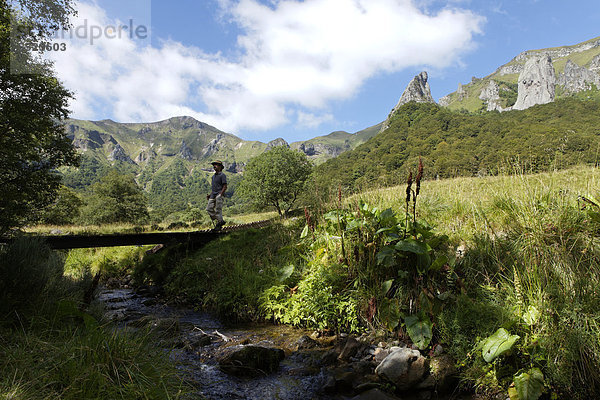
(195, 340)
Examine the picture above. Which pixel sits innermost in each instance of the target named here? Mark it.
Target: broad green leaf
(438, 263)
(423, 263)
(389, 313)
(304, 232)
(354, 224)
(387, 217)
(384, 230)
(419, 330)
(531, 316)
(385, 287)
(392, 236)
(386, 256)
(411, 246)
(497, 344)
(530, 384)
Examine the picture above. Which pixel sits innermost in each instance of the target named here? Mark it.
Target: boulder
(305, 342)
(350, 349)
(404, 368)
(251, 360)
(442, 374)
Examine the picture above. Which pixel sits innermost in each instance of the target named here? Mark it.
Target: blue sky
(298, 69)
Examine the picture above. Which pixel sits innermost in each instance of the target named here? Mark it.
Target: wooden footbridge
(195, 238)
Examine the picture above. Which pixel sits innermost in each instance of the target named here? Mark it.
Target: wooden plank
(132, 239)
(112, 240)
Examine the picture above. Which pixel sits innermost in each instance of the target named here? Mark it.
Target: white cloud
(310, 120)
(295, 58)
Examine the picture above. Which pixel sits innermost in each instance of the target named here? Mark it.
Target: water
(296, 378)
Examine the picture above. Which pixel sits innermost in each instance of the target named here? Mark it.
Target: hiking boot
(219, 225)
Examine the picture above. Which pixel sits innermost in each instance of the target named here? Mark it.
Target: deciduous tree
(33, 143)
(116, 198)
(275, 178)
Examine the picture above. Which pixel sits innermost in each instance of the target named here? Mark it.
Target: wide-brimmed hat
(217, 162)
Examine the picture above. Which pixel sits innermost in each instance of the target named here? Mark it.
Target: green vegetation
(116, 198)
(555, 135)
(275, 178)
(33, 142)
(54, 346)
(480, 265)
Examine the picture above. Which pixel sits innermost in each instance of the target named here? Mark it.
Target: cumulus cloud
(294, 58)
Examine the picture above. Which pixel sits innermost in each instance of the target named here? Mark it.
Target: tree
(116, 198)
(275, 178)
(64, 210)
(33, 143)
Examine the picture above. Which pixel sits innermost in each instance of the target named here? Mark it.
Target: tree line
(451, 144)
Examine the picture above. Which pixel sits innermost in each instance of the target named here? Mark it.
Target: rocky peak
(536, 83)
(491, 95)
(417, 90)
(576, 79)
(595, 64)
(276, 143)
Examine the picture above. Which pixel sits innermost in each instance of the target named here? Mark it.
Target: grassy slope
(463, 207)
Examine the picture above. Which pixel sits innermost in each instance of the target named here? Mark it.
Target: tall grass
(72, 363)
(529, 246)
(463, 207)
(109, 261)
(227, 275)
(50, 347)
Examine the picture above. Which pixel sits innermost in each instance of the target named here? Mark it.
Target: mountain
(195, 141)
(532, 77)
(322, 148)
(171, 158)
(140, 143)
(418, 90)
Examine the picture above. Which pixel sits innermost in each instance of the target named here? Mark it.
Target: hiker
(215, 197)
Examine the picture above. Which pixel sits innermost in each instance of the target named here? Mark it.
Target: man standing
(215, 198)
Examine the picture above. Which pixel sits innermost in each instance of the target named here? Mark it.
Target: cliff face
(532, 77)
(491, 95)
(536, 83)
(577, 79)
(417, 90)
